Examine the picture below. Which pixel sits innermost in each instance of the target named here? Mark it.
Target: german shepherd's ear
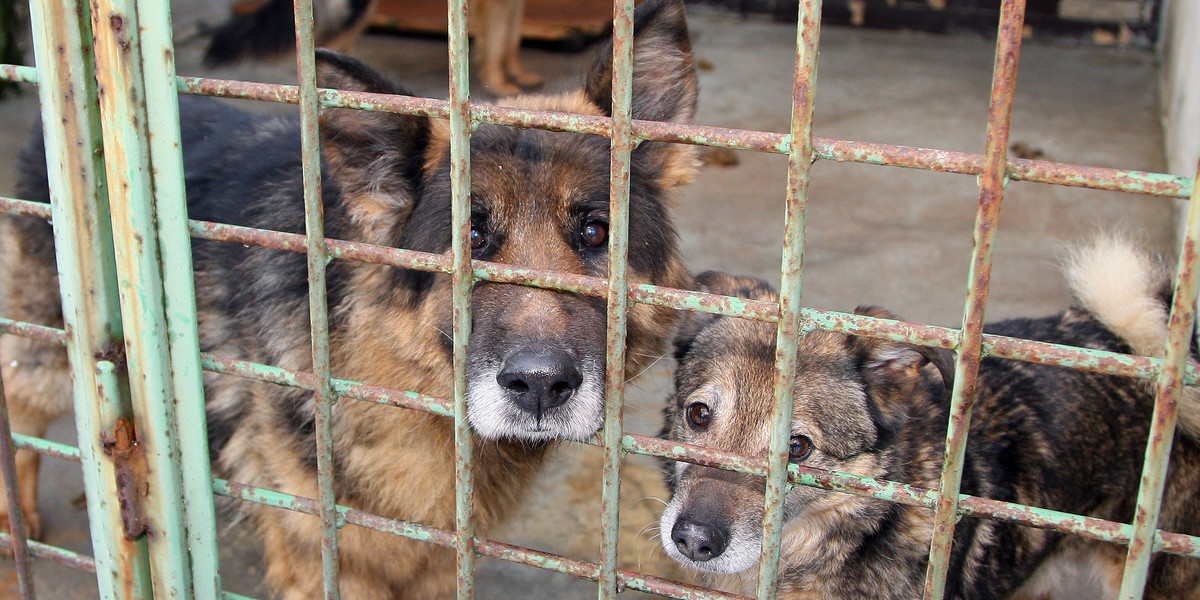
(716, 282)
(895, 367)
(664, 83)
(375, 157)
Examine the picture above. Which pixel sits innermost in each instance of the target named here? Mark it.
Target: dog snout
(697, 540)
(539, 379)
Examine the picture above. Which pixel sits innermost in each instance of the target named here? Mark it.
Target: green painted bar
(791, 326)
(83, 246)
(945, 161)
(621, 147)
(179, 296)
(314, 232)
(1162, 428)
(132, 192)
(55, 554)
(18, 74)
(47, 447)
(970, 350)
(462, 280)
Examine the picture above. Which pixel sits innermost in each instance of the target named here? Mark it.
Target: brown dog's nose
(697, 541)
(539, 378)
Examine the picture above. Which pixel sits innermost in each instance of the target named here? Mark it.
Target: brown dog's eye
(800, 448)
(594, 234)
(477, 239)
(699, 415)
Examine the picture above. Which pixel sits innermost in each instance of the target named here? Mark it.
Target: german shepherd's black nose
(697, 541)
(539, 378)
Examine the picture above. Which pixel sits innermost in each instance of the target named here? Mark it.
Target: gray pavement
(899, 238)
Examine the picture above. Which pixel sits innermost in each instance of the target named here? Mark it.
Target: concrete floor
(893, 237)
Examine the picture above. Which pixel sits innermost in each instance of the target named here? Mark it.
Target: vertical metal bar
(1162, 428)
(462, 278)
(966, 367)
(621, 147)
(179, 294)
(314, 238)
(790, 327)
(16, 520)
(83, 247)
(124, 121)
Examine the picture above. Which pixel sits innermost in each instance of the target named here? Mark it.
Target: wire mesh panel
(129, 305)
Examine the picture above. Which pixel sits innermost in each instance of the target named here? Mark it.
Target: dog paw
(527, 80)
(33, 523)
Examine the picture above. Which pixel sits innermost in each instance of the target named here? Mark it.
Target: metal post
(622, 145)
(1166, 410)
(966, 367)
(790, 327)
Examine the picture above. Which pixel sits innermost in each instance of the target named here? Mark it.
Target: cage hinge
(129, 461)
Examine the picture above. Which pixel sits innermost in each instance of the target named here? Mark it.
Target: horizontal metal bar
(868, 486)
(927, 335)
(344, 388)
(18, 74)
(972, 506)
(46, 447)
(27, 208)
(41, 333)
(56, 554)
(490, 548)
(946, 161)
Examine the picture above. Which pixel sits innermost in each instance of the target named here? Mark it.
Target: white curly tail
(1119, 282)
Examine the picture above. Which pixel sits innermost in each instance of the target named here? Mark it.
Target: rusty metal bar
(791, 326)
(966, 367)
(314, 234)
(755, 465)
(83, 247)
(621, 146)
(1166, 410)
(47, 447)
(18, 74)
(927, 335)
(19, 539)
(462, 280)
(489, 548)
(893, 155)
(58, 555)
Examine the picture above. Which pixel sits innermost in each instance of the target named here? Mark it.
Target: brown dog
(1043, 436)
(264, 28)
(536, 357)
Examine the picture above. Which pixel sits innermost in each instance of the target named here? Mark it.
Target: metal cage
(106, 78)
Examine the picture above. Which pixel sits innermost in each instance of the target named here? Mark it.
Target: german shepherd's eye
(594, 234)
(478, 240)
(699, 415)
(799, 448)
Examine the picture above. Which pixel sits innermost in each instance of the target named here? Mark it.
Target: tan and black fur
(266, 28)
(1044, 436)
(536, 357)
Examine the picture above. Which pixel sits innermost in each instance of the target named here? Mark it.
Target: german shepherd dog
(1042, 436)
(536, 357)
(266, 28)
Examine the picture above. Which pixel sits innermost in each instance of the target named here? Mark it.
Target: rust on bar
(129, 459)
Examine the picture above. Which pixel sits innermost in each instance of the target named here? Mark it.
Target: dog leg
(491, 39)
(514, 13)
(37, 387)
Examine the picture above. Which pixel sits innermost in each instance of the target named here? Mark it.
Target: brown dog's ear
(375, 157)
(894, 366)
(664, 84)
(715, 282)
